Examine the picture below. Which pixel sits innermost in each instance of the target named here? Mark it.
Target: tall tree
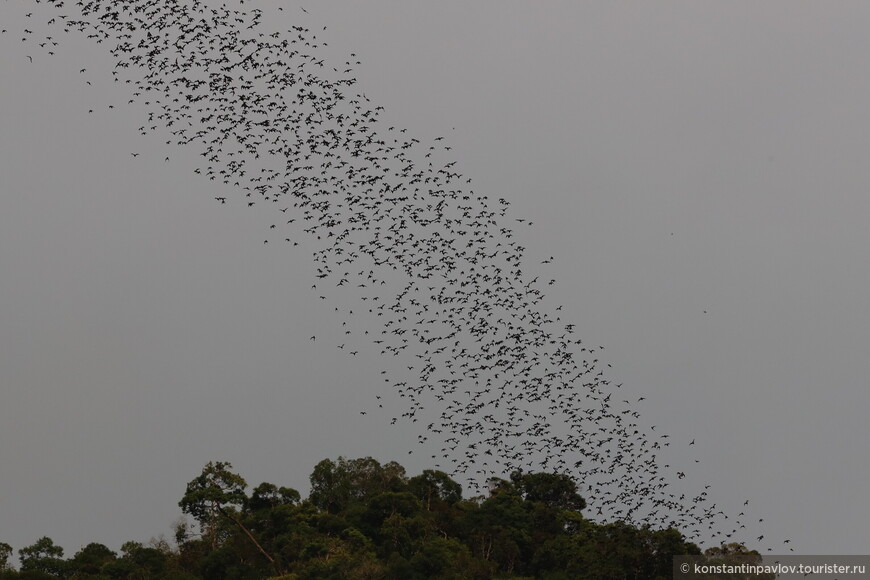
(335, 485)
(553, 489)
(42, 556)
(5, 555)
(210, 497)
(433, 486)
(91, 559)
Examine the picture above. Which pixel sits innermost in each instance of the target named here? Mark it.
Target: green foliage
(368, 521)
(138, 561)
(337, 485)
(267, 496)
(435, 487)
(43, 557)
(43, 548)
(555, 490)
(208, 494)
(735, 554)
(90, 560)
(5, 555)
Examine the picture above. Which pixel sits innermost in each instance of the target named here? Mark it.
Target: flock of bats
(422, 268)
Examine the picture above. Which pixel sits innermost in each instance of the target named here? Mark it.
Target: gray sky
(697, 169)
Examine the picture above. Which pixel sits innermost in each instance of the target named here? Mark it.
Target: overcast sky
(699, 170)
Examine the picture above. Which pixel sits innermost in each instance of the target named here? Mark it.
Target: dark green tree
(214, 496)
(556, 490)
(435, 486)
(735, 554)
(443, 559)
(43, 556)
(336, 485)
(500, 529)
(138, 562)
(268, 496)
(5, 557)
(90, 560)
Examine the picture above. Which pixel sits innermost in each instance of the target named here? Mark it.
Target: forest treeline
(366, 521)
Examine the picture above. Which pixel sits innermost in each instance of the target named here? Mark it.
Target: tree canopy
(367, 520)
